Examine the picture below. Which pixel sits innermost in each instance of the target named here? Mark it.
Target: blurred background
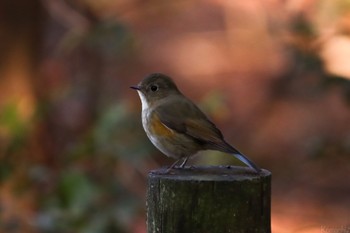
(272, 74)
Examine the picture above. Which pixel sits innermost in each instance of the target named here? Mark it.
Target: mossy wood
(209, 200)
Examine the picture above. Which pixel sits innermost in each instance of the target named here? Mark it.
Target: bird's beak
(136, 88)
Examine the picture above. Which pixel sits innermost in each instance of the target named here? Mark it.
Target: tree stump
(214, 199)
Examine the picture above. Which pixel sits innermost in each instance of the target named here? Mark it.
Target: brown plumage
(175, 125)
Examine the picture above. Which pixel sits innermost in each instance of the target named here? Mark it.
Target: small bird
(175, 125)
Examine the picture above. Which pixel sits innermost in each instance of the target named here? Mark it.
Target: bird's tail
(225, 147)
(247, 161)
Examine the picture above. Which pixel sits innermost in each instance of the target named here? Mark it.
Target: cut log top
(210, 173)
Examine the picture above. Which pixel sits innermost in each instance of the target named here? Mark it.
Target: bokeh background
(272, 74)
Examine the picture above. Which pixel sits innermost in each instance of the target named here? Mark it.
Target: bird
(176, 126)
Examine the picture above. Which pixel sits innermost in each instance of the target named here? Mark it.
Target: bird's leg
(181, 166)
(184, 162)
(173, 165)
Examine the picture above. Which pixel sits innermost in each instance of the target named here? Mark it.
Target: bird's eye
(154, 88)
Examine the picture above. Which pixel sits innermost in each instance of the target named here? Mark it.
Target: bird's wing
(186, 118)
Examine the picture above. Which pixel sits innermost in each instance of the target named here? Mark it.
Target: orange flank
(158, 128)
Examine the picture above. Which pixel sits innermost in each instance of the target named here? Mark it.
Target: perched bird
(175, 125)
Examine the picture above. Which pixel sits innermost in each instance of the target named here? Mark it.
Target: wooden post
(215, 199)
